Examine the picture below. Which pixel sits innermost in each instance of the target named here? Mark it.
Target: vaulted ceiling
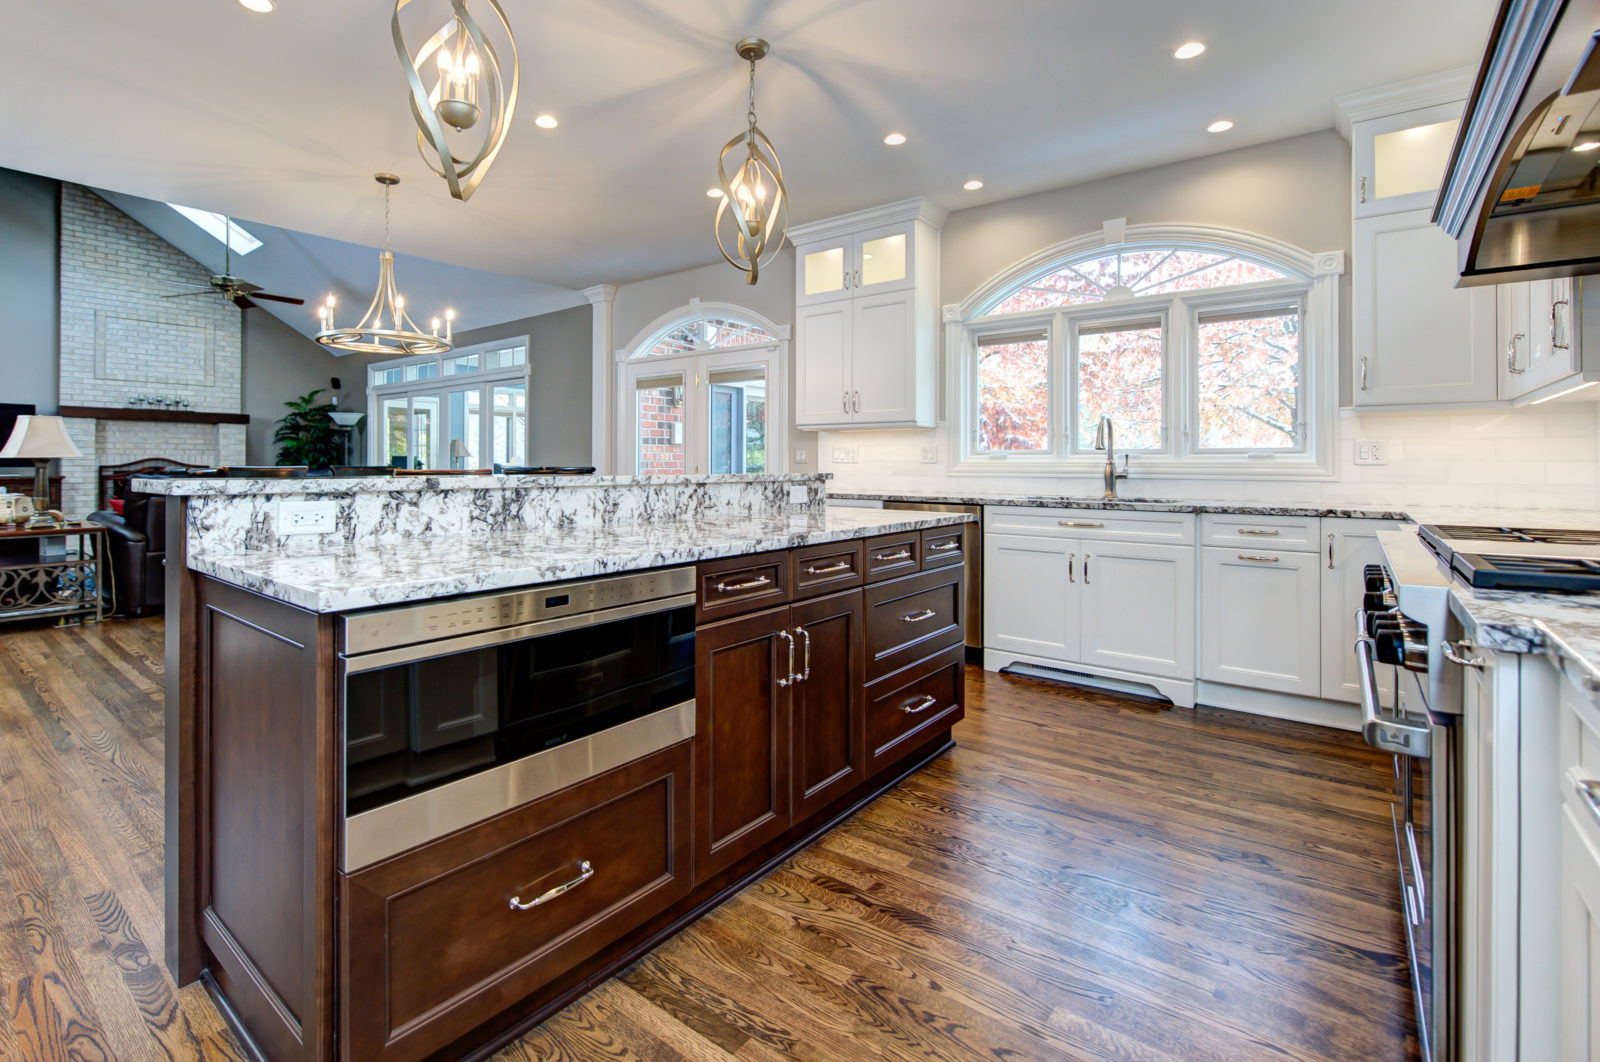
(283, 118)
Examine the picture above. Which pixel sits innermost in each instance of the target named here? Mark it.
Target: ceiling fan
(241, 293)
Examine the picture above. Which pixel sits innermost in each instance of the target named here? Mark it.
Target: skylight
(218, 226)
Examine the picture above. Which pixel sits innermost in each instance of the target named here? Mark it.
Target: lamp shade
(40, 438)
(458, 448)
(345, 419)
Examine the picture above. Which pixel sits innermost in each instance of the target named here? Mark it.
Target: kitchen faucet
(1105, 439)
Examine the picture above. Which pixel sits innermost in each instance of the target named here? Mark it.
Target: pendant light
(471, 89)
(370, 336)
(753, 198)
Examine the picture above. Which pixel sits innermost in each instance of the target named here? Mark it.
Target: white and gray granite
(1149, 505)
(329, 487)
(361, 575)
(1564, 627)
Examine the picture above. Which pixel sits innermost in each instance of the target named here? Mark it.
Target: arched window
(707, 332)
(1209, 349)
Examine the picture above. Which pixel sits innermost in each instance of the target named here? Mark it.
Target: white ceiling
(283, 118)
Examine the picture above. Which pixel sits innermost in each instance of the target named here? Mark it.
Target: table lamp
(42, 439)
(458, 450)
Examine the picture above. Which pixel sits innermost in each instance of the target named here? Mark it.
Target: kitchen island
(464, 747)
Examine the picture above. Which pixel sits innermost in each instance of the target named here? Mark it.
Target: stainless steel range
(1511, 558)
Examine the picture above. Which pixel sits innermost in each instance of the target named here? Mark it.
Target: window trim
(483, 380)
(1262, 307)
(1117, 316)
(1313, 280)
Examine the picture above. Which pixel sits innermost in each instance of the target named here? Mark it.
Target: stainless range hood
(1522, 192)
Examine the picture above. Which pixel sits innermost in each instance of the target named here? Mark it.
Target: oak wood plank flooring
(1083, 877)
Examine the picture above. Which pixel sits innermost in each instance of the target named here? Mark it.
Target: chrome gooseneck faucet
(1105, 439)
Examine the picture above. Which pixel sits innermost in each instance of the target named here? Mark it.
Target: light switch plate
(844, 455)
(306, 517)
(1372, 452)
(930, 455)
(801, 457)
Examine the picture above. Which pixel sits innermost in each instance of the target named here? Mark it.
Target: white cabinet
(866, 294)
(1349, 546)
(1260, 619)
(1580, 942)
(1417, 338)
(1546, 338)
(1026, 603)
(1398, 160)
(1136, 608)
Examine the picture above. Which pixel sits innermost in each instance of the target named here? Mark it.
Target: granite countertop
(336, 580)
(1565, 627)
(325, 485)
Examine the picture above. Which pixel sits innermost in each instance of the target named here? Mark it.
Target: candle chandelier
(370, 336)
(753, 198)
(471, 89)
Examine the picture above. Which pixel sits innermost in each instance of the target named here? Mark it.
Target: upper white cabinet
(866, 319)
(1398, 160)
(1543, 328)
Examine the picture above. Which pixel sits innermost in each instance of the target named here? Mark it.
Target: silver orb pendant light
(472, 89)
(753, 214)
(385, 328)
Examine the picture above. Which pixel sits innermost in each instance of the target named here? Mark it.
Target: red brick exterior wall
(659, 409)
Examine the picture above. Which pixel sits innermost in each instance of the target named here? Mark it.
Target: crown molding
(919, 209)
(1449, 86)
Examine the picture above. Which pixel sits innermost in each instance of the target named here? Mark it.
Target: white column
(601, 430)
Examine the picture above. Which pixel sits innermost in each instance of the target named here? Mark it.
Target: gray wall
(559, 385)
(29, 245)
(280, 364)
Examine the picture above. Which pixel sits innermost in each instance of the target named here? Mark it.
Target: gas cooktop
(1512, 558)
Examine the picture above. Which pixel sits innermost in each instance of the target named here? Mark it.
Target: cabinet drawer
(1301, 534)
(432, 945)
(909, 618)
(828, 567)
(919, 702)
(1122, 525)
(891, 555)
(736, 585)
(944, 545)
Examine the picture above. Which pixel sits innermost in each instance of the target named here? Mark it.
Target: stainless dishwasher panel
(973, 610)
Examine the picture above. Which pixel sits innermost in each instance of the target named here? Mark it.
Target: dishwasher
(972, 611)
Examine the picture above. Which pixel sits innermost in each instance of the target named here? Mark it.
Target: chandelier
(753, 197)
(370, 336)
(470, 83)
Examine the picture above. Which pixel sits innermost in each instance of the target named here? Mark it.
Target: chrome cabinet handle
(858, 278)
(1363, 363)
(857, 402)
(904, 554)
(1453, 652)
(1511, 354)
(805, 659)
(1363, 189)
(944, 547)
(1086, 569)
(1589, 790)
(842, 566)
(1256, 558)
(844, 403)
(918, 616)
(1330, 551)
(1078, 523)
(585, 872)
(789, 679)
(752, 584)
(1258, 531)
(1553, 343)
(1072, 559)
(928, 701)
(1381, 731)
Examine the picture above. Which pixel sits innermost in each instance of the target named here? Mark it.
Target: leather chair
(136, 542)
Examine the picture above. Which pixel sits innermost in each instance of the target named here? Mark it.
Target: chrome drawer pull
(733, 588)
(1452, 652)
(904, 554)
(1259, 531)
(842, 566)
(945, 547)
(790, 678)
(1078, 523)
(1256, 558)
(585, 872)
(918, 616)
(928, 701)
(1590, 791)
(805, 666)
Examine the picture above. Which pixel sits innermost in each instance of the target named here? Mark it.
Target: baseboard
(1336, 714)
(1179, 691)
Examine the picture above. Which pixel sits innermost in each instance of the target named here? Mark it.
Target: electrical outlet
(799, 494)
(306, 517)
(1372, 452)
(844, 455)
(801, 457)
(930, 455)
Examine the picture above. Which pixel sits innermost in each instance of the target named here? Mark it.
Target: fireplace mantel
(171, 416)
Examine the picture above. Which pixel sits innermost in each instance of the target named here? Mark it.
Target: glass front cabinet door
(1399, 160)
(873, 261)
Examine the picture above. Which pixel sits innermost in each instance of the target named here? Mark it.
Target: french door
(717, 413)
(463, 427)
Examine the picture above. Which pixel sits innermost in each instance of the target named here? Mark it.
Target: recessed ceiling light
(1221, 125)
(261, 7)
(546, 121)
(714, 193)
(973, 185)
(1189, 50)
(1587, 145)
(895, 139)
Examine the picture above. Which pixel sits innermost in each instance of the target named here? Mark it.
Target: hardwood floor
(1084, 877)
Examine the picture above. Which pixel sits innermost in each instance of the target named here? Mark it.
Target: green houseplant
(307, 435)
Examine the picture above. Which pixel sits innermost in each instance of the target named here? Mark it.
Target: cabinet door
(1580, 942)
(822, 364)
(1551, 345)
(741, 737)
(883, 361)
(1349, 546)
(1136, 607)
(884, 260)
(825, 270)
(1418, 339)
(1261, 620)
(1398, 161)
(829, 755)
(1512, 338)
(1030, 595)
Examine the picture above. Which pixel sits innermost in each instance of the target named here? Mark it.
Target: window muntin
(708, 333)
(1134, 273)
(1014, 393)
(1121, 373)
(1250, 380)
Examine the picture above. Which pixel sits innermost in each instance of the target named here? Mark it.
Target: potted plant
(307, 435)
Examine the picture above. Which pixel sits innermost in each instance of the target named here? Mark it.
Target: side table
(68, 586)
